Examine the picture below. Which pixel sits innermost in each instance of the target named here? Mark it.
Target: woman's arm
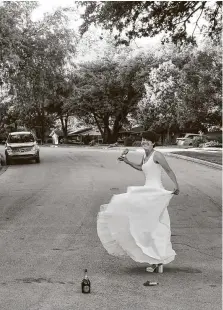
(133, 165)
(162, 161)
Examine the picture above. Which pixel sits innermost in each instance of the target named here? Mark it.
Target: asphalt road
(48, 214)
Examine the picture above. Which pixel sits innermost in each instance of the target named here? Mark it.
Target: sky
(50, 6)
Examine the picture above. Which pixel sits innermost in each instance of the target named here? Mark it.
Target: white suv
(21, 145)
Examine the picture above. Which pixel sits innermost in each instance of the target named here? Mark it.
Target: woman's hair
(150, 135)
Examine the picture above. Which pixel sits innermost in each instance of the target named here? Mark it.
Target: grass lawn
(207, 156)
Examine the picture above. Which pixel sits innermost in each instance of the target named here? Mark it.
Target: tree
(137, 19)
(158, 108)
(184, 91)
(106, 92)
(200, 98)
(15, 17)
(48, 47)
(60, 100)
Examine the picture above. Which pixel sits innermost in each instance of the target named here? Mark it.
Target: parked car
(21, 145)
(187, 139)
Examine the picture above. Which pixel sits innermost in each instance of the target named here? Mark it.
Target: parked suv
(21, 145)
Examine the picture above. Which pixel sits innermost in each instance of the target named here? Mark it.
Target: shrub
(212, 143)
(219, 139)
(128, 141)
(197, 141)
(49, 140)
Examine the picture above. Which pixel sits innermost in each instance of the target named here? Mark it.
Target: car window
(192, 136)
(21, 138)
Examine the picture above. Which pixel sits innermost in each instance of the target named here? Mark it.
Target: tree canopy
(166, 88)
(35, 61)
(184, 91)
(106, 92)
(137, 19)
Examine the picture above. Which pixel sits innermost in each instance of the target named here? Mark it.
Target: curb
(195, 160)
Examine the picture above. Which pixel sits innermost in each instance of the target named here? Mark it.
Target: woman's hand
(123, 158)
(176, 191)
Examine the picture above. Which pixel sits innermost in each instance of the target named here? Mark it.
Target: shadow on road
(141, 270)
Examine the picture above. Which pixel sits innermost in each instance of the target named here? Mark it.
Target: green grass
(207, 156)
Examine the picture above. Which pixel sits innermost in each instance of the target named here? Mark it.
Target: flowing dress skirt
(137, 224)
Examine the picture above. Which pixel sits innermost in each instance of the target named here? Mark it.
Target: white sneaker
(151, 268)
(155, 268)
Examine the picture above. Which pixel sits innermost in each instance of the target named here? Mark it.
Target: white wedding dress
(137, 223)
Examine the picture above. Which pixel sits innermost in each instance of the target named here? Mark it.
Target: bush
(128, 141)
(219, 139)
(49, 140)
(197, 141)
(212, 143)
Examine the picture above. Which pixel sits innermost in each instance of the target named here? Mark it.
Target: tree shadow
(21, 162)
(167, 269)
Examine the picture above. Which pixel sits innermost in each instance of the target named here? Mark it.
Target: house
(78, 136)
(86, 135)
(134, 133)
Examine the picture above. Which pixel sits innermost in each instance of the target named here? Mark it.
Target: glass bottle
(86, 284)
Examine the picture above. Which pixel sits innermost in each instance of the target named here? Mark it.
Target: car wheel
(38, 160)
(7, 160)
(2, 161)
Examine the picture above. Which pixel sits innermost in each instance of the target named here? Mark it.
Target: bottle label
(86, 288)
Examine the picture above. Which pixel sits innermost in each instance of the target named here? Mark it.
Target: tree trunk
(64, 127)
(107, 131)
(97, 123)
(117, 126)
(42, 125)
(107, 135)
(168, 136)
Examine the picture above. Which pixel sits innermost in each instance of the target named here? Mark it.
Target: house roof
(20, 133)
(136, 129)
(91, 133)
(79, 131)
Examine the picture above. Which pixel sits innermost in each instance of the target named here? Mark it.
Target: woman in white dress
(137, 222)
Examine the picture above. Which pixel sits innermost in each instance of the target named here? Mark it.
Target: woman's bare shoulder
(157, 156)
(160, 159)
(158, 153)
